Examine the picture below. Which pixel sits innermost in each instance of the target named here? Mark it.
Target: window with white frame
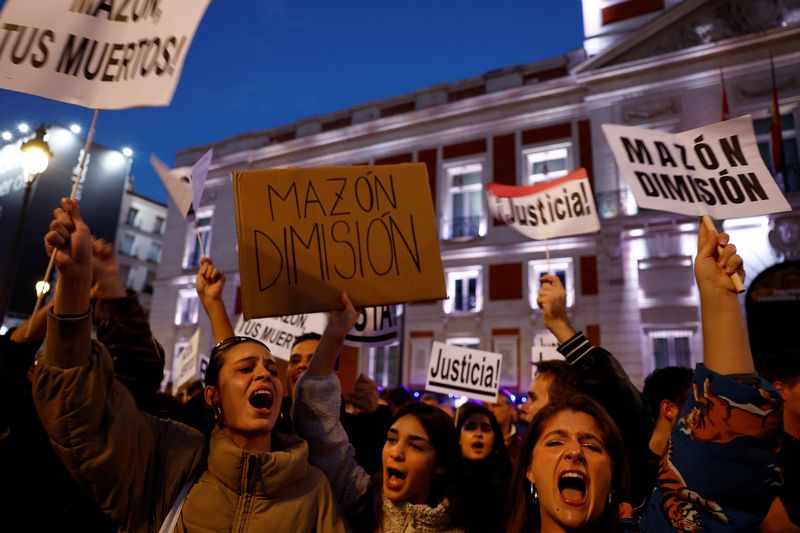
(561, 267)
(126, 245)
(671, 347)
(187, 308)
(466, 216)
(384, 365)
(544, 163)
(192, 252)
(154, 254)
(464, 290)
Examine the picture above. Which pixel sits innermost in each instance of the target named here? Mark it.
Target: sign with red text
(715, 170)
(556, 208)
(102, 54)
(307, 235)
(464, 371)
(279, 332)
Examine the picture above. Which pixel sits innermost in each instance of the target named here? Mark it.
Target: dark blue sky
(257, 64)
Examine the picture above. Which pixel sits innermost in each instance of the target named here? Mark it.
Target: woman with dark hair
(151, 474)
(571, 472)
(414, 490)
(485, 468)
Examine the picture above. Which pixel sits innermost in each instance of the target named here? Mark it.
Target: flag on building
(775, 133)
(725, 113)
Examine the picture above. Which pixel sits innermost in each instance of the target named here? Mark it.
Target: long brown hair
(523, 514)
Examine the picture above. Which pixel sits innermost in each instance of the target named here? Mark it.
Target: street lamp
(36, 156)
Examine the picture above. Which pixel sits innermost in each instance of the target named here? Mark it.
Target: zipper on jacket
(250, 476)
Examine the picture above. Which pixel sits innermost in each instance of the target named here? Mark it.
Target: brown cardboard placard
(307, 235)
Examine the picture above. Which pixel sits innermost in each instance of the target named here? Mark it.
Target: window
(464, 290)
(790, 182)
(130, 219)
(126, 246)
(124, 275)
(158, 225)
(561, 267)
(148, 282)
(465, 212)
(671, 348)
(544, 163)
(154, 255)
(384, 365)
(186, 312)
(192, 252)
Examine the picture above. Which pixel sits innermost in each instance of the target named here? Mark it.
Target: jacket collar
(264, 474)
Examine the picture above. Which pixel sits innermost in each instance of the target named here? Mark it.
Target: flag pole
(547, 256)
(87, 145)
(199, 240)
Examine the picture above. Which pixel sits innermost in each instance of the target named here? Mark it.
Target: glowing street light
(127, 151)
(74, 128)
(42, 287)
(23, 127)
(6, 135)
(36, 155)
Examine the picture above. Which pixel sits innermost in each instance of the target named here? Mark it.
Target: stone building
(650, 63)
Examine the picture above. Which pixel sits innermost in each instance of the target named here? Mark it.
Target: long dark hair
(471, 408)
(523, 514)
(442, 436)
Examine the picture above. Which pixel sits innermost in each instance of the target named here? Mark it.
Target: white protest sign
(279, 332)
(184, 189)
(715, 170)
(557, 208)
(464, 371)
(544, 349)
(102, 54)
(187, 365)
(376, 326)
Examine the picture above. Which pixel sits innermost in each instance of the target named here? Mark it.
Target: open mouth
(572, 486)
(261, 399)
(394, 478)
(477, 446)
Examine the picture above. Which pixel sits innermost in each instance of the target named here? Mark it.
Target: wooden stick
(547, 256)
(199, 240)
(735, 277)
(72, 195)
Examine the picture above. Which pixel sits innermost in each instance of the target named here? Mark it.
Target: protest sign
(187, 364)
(376, 326)
(715, 170)
(279, 332)
(184, 189)
(103, 54)
(544, 349)
(556, 208)
(464, 371)
(307, 235)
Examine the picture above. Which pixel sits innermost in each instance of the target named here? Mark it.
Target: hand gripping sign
(556, 208)
(715, 170)
(464, 371)
(103, 54)
(307, 235)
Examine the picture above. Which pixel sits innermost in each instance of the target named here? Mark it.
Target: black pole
(11, 270)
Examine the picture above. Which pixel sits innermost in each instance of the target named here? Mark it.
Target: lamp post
(36, 156)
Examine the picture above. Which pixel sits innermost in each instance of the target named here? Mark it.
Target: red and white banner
(556, 208)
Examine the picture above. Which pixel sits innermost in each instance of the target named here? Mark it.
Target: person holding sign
(148, 473)
(414, 490)
(726, 443)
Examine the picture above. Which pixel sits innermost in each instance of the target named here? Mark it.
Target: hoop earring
(217, 410)
(611, 497)
(534, 494)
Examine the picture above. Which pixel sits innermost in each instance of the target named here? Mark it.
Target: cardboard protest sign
(185, 190)
(307, 235)
(187, 365)
(103, 54)
(715, 170)
(279, 332)
(464, 371)
(376, 326)
(557, 208)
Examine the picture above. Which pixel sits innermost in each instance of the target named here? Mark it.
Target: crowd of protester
(89, 443)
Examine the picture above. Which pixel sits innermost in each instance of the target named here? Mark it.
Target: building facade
(651, 63)
(139, 242)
